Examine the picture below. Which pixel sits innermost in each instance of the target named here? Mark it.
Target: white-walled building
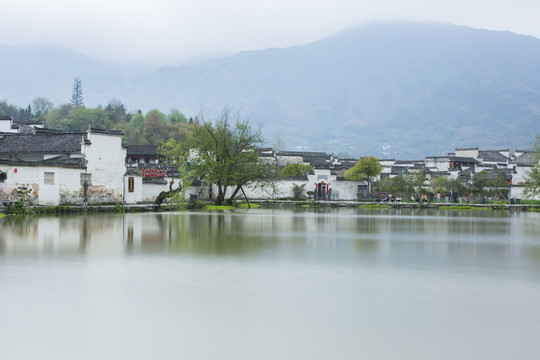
(7, 125)
(50, 167)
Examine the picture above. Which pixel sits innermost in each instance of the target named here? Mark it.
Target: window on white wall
(48, 178)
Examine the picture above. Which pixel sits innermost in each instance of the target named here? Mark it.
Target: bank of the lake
(149, 207)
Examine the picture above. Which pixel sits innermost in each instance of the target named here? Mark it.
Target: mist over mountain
(390, 90)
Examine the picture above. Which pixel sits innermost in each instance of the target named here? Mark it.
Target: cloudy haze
(170, 31)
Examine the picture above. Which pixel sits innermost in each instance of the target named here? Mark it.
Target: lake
(271, 284)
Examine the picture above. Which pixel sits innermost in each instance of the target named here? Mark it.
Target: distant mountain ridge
(391, 90)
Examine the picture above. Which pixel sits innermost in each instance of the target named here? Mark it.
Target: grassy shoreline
(118, 208)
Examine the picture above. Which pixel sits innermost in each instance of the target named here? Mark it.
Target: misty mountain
(391, 90)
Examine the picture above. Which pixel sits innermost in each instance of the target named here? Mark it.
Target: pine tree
(76, 97)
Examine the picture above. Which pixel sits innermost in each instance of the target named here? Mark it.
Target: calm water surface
(271, 284)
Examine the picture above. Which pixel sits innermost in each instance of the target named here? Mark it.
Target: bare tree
(42, 105)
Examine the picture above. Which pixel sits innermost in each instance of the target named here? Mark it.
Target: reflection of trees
(366, 227)
(21, 225)
(421, 235)
(16, 228)
(467, 223)
(217, 233)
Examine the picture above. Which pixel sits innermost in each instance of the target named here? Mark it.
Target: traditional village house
(142, 156)
(387, 166)
(7, 125)
(521, 165)
(406, 166)
(327, 180)
(51, 167)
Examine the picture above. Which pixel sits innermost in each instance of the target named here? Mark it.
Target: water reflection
(410, 236)
(271, 284)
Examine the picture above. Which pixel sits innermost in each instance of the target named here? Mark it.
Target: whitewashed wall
(106, 162)
(473, 153)
(518, 192)
(137, 195)
(150, 191)
(521, 174)
(341, 190)
(66, 180)
(5, 126)
(440, 163)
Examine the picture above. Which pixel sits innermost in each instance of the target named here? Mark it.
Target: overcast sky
(170, 31)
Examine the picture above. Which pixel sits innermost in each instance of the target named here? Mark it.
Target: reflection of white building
(98, 234)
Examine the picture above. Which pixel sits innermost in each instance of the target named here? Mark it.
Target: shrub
(298, 191)
(19, 208)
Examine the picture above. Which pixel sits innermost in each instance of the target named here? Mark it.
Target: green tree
(500, 184)
(117, 113)
(175, 116)
(79, 118)
(7, 109)
(133, 130)
(227, 154)
(55, 116)
(404, 185)
(298, 191)
(365, 168)
(296, 170)
(417, 182)
(154, 127)
(447, 185)
(175, 154)
(385, 184)
(493, 183)
(76, 96)
(25, 115)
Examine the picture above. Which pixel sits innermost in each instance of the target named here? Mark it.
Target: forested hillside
(154, 127)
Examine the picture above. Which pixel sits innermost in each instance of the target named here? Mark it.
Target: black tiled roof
(60, 161)
(345, 164)
(437, 173)
(396, 170)
(463, 159)
(105, 131)
(525, 159)
(492, 156)
(405, 162)
(150, 150)
(41, 143)
(318, 160)
(301, 153)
